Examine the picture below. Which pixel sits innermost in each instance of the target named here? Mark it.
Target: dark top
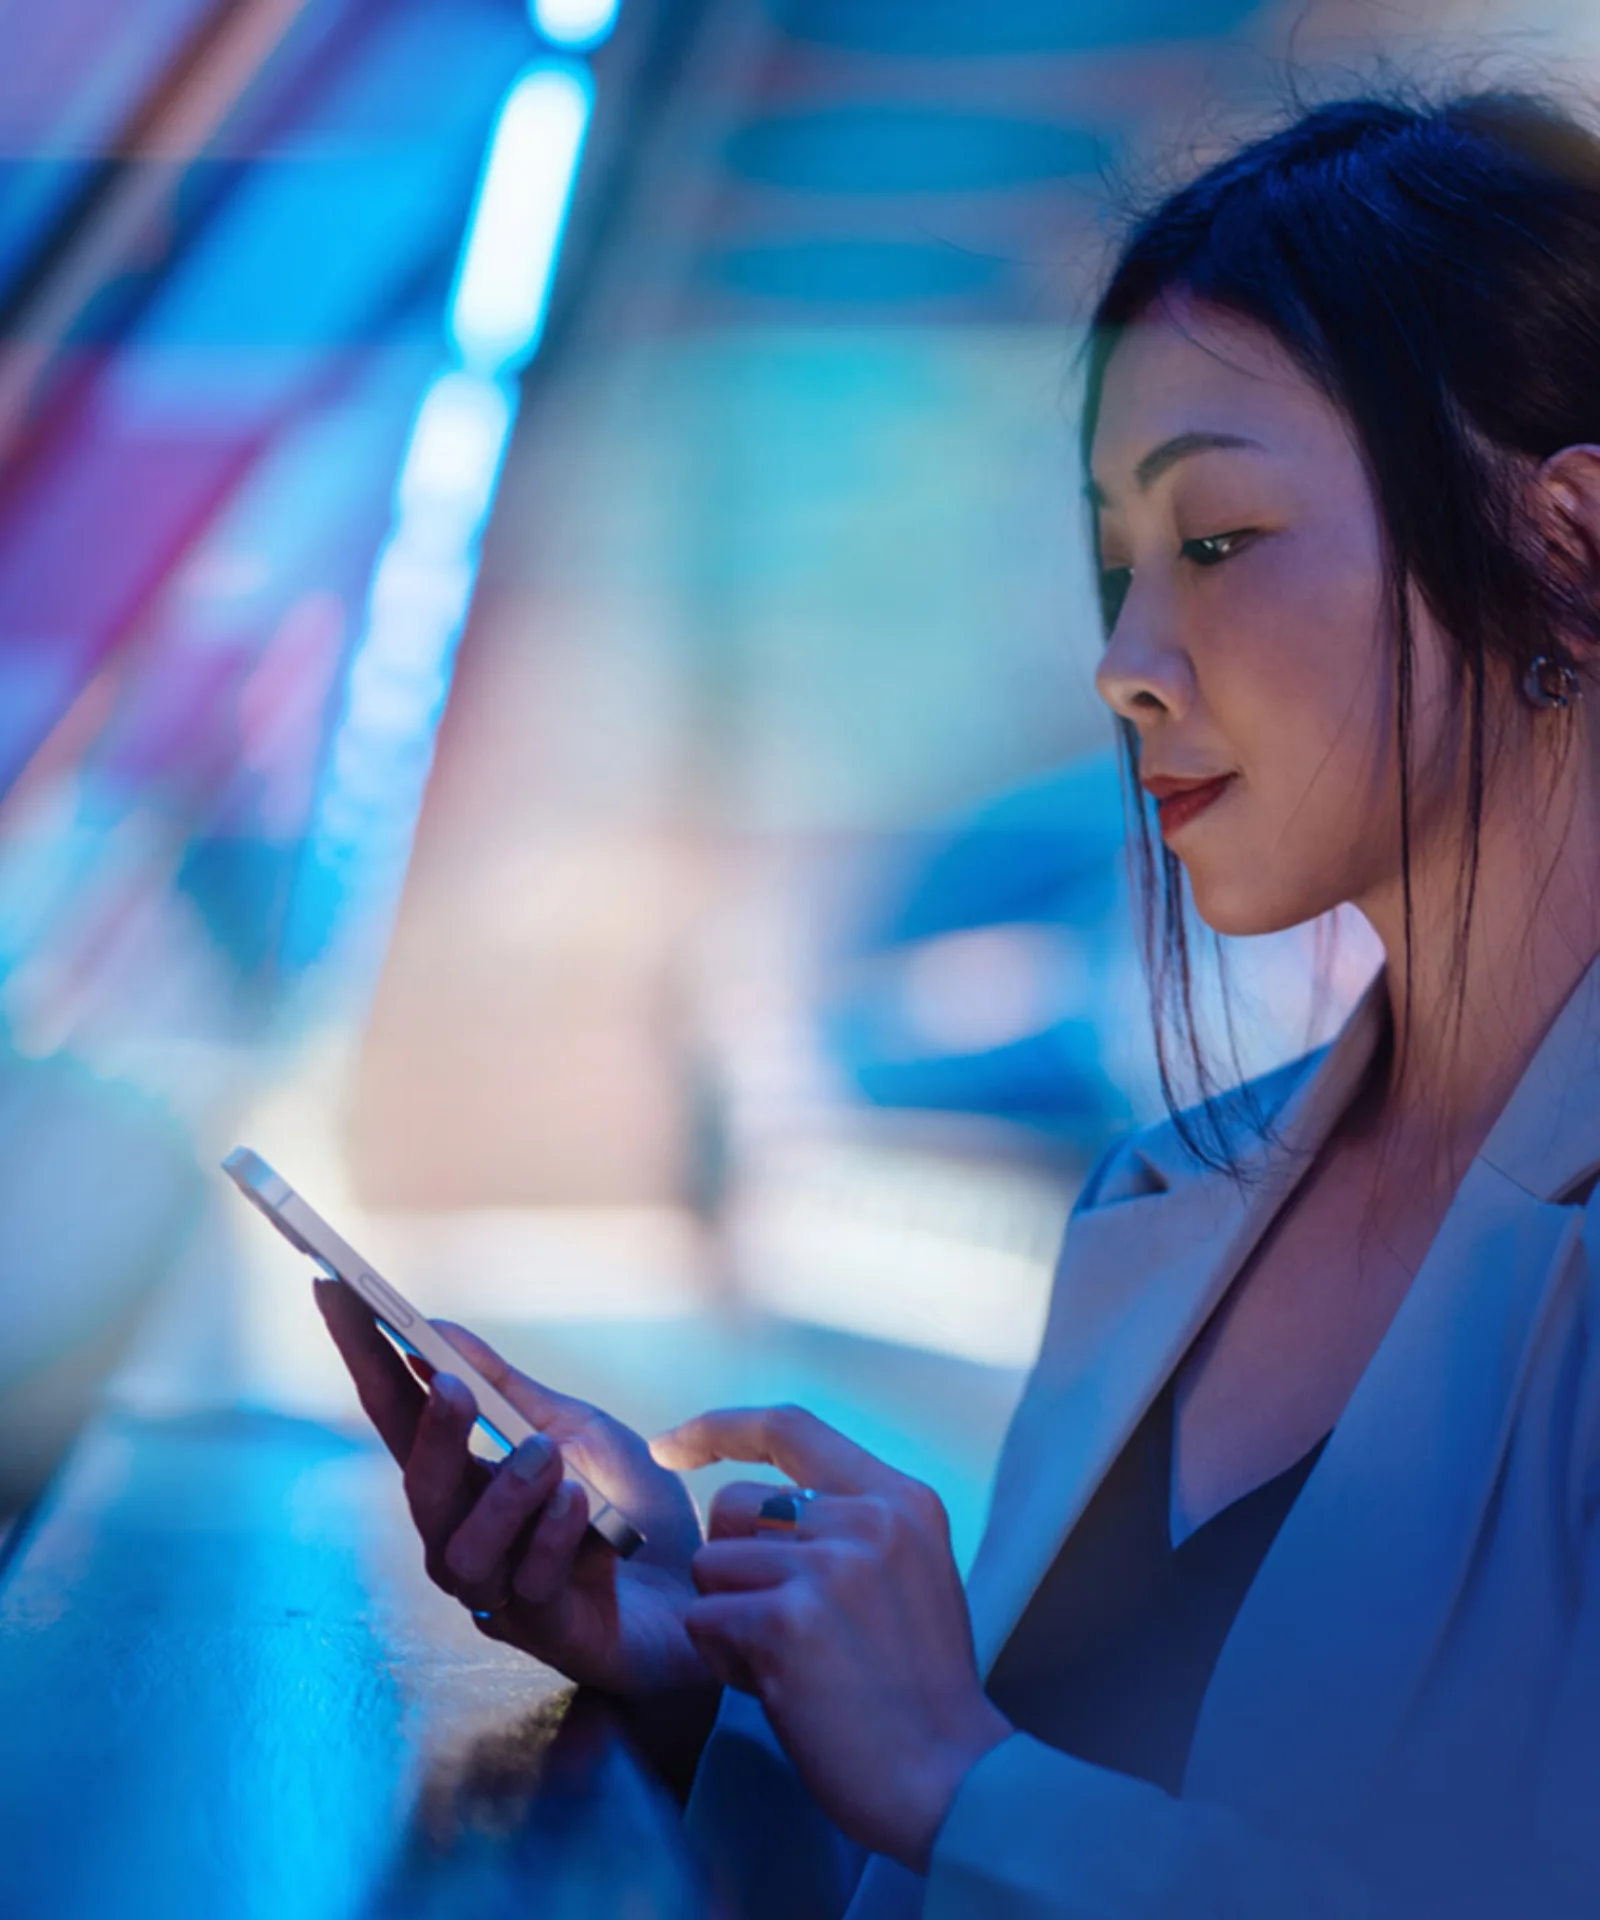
(1115, 1649)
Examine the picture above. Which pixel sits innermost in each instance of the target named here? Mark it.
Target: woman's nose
(1143, 676)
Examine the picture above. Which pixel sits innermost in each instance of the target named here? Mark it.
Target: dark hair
(1435, 269)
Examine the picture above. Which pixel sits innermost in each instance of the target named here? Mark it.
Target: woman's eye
(1114, 585)
(1213, 548)
(1208, 550)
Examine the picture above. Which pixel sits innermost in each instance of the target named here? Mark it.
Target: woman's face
(1239, 531)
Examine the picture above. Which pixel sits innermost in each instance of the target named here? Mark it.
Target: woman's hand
(854, 1631)
(513, 1537)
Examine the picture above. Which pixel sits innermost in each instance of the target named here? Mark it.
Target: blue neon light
(502, 290)
(400, 671)
(422, 585)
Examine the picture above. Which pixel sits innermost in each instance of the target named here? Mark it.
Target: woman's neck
(1475, 1014)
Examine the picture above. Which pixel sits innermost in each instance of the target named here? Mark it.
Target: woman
(1290, 1597)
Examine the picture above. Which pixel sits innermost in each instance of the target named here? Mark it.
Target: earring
(1550, 683)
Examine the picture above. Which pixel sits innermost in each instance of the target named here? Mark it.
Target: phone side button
(614, 1527)
(385, 1299)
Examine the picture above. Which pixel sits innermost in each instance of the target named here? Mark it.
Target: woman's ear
(1567, 508)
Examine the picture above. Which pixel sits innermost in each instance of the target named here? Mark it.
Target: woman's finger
(476, 1554)
(389, 1396)
(736, 1510)
(735, 1507)
(789, 1438)
(442, 1478)
(747, 1566)
(736, 1635)
(545, 1568)
(613, 1456)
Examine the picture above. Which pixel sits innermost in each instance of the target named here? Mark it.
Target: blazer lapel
(1336, 1633)
(1107, 1362)
(1140, 1277)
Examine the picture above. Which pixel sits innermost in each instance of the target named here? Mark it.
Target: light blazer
(1405, 1717)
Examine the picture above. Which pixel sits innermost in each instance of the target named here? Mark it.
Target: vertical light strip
(400, 668)
(503, 288)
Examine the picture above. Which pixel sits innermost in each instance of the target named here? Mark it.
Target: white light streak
(502, 292)
(576, 24)
(453, 460)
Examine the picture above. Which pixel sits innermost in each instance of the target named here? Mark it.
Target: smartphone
(303, 1227)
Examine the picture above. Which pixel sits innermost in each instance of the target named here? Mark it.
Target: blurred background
(546, 679)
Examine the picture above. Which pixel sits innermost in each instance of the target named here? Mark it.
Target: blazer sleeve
(1034, 1834)
(767, 1846)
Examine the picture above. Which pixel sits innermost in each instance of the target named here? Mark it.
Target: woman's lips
(1177, 809)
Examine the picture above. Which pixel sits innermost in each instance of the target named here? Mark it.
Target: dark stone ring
(780, 1512)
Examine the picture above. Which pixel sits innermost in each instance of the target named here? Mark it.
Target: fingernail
(560, 1500)
(529, 1459)
(443, 1390)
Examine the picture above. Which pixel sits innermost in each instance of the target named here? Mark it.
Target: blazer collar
(1150, 1259)
(1547, 1137)
(1387, 1524)
(1337, 1631)
(1343, 1618)
(1320, 1087)
(1142, 1268)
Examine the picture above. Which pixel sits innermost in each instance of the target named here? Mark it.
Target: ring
(780, 1512)
(488, 1613)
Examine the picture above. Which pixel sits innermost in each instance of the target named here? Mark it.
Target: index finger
(389, 1396)
(789, 1438)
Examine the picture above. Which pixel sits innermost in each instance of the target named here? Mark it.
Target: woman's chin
(1241, 910)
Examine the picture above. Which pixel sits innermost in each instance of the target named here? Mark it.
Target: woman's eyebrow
(1160, 459)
